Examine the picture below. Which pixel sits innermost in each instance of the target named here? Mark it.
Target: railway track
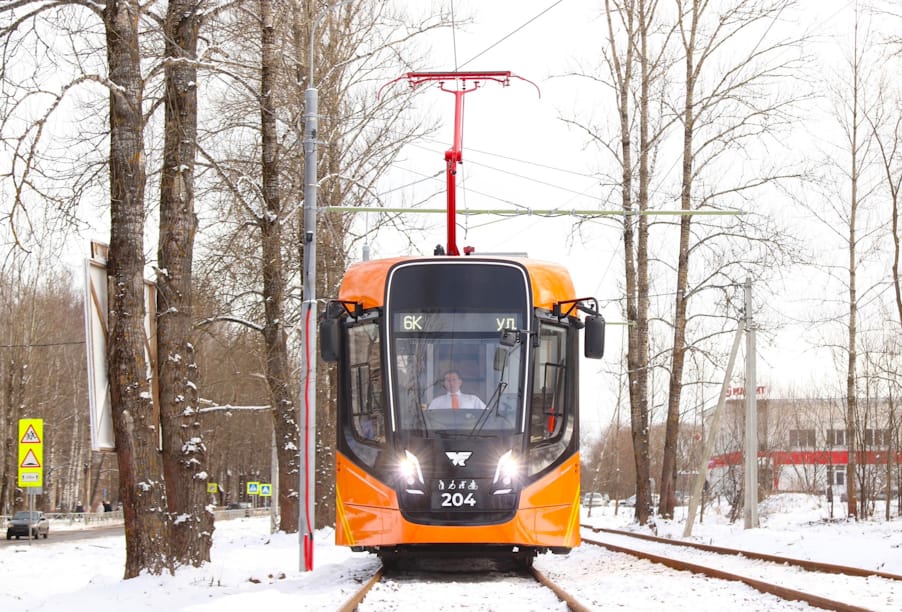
(608, 579)
(823, 585)
(449, 588)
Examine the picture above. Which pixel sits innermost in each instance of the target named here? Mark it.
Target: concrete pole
(751, 417)
(698, 485)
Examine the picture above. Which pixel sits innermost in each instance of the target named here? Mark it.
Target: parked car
(244, 507)
(631, 501)
(24, 520)
(590, 500)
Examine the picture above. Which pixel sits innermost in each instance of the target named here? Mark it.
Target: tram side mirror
(330, 339)
(501, 356)
(594, 340)
(509, 337)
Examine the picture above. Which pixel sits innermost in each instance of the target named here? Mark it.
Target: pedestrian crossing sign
(31, 453)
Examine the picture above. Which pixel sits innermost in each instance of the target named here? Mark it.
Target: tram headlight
(410, 472)
(505, 473)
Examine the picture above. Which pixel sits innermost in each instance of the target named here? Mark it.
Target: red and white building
(803, 445)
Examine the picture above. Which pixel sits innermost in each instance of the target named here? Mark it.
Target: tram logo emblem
(458, 458)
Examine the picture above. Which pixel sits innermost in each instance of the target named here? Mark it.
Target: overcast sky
(519, 154)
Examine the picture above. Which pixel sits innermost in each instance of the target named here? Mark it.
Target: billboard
(96, 329)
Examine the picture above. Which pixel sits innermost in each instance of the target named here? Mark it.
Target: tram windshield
(453, 376)
(445, 320)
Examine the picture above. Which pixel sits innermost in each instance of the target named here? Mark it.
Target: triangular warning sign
(30, 460)
(31, 436)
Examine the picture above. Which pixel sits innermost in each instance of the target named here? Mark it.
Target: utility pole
(751, 417)
(698, 486)
(308, 316)
(307, 522)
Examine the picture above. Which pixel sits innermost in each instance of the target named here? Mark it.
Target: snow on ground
(252, 568)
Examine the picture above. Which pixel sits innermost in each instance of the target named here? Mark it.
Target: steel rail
(811, 566)
(759, 585)
(351, 604)
(563, 595)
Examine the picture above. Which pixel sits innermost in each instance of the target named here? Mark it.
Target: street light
(308, 312)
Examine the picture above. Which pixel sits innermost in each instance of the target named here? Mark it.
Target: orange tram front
(497, 475)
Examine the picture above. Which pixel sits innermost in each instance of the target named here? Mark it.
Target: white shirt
(464, 399)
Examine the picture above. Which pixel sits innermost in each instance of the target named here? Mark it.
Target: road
(66, 535)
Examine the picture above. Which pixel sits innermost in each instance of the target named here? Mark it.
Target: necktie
(455, 401)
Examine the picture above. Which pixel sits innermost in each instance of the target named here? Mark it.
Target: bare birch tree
(885, 122)
(184, 448)
(724, 109)
(849, 207)
(120, 49)
(135, 420)
(855, 151)
(275, 335)
(636, 21)
(41, 373)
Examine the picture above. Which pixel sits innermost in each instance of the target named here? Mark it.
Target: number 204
(456, 500)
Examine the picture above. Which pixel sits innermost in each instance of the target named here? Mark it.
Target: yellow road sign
(31, 453)
(212, 487)
(265, 489)
(253, 488)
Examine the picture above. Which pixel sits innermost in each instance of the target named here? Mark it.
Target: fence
(86, 520)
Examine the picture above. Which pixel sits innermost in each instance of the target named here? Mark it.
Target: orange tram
(498, 477)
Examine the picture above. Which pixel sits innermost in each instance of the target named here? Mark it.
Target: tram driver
(454, 398)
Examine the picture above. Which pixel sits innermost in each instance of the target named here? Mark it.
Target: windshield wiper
(415, 406)
(492, 404)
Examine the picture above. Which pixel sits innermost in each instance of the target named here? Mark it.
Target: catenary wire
(502, 39)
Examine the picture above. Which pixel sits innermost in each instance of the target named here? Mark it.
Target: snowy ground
(252, 568)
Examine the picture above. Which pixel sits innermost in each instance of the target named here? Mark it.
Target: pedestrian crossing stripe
(30, 436)
(30, 460)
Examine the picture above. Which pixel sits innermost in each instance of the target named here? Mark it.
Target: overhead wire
(462, 170)
(505, 37)
(518, 207)
(509, 158)
(522, 176)
(458, 66)
(454, 35)
(532, 163)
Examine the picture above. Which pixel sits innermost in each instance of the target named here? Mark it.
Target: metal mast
(307, 490)
(454, 155)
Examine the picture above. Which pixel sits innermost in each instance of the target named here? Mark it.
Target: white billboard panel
(96, 329)
(102, 438)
